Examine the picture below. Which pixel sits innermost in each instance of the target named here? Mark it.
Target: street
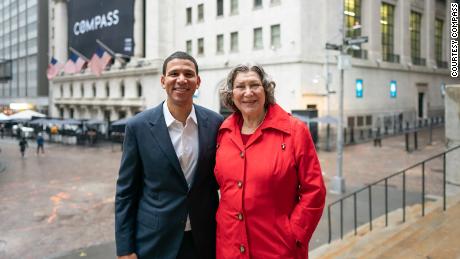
(56, 203)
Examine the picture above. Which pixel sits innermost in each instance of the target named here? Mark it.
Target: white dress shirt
(185, 142)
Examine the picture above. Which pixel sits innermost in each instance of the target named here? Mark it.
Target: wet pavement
(60, 205)
(55, 203)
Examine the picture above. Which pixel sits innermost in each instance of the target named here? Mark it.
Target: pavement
(61, 203)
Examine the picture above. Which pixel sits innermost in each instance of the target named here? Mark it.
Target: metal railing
(356, 135)
(385, 180)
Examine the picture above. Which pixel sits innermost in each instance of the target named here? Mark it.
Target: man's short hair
(179, 55)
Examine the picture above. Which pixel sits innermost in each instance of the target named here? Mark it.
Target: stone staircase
(437, 235)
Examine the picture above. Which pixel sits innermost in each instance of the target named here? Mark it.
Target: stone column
(402, 46)
(139, 28)
(452, 120)
(60, 30)
(445, 34)
(152, 29)
(371, 12)
(428, 33)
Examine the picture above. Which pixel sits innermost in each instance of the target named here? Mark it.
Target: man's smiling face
(180, 81)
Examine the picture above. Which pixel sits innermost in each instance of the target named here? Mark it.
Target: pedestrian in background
(378, 134)
(40, 143)
(23, 145)
(272, 190)
(2, 130)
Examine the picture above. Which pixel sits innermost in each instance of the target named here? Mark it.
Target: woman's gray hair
(226, 93)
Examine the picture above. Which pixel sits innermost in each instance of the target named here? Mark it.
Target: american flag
(74, 64)
(54, 67)
(99, 61)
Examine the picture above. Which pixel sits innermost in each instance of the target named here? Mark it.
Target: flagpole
(111, 52)
(79, 54)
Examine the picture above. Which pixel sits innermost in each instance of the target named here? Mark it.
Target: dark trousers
(187, 248)
(40, 147)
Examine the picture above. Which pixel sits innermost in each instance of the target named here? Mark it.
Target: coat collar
(276, 119)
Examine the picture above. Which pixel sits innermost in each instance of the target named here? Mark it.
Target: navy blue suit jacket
(152, 196)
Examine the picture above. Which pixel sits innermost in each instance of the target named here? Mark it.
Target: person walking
(23, 145)
(40, 143)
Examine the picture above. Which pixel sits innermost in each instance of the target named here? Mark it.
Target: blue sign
(393, 89)
(359, 88)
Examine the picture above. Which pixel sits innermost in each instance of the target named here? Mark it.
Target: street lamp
(338, 181)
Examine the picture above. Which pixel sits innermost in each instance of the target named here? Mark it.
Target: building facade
(396, 76)
(23, 55)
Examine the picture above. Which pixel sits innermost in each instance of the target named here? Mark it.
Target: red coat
(272, 190)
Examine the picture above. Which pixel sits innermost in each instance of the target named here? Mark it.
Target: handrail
(385, 181)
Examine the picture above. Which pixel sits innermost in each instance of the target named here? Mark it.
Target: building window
(233, 6)
(257, 4)
(94, 89)
(414, 28)
(71, 113)
(189, 15)
(139, 89)
(257, 41)
(352, 13)
(122, 89)
(439, 24)
(220, 7)
(368, 120)
(107, 90)
(275, 39)
(200, 46)
(61, 112)
(71, 90)
(107, 115)
(121, 114)
(82, 91)
(188, 47)
(61, 91)
(200, 12)
(220, 44)
(234, 41)
(387, 14)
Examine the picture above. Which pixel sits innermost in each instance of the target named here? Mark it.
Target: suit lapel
(203, 142)
(160, 133)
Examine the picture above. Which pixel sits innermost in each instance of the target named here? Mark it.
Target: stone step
(418, 236)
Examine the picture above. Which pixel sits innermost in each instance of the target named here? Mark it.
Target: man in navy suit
(166, 197)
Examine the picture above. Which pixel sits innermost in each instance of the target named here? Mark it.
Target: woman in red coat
(272, 190)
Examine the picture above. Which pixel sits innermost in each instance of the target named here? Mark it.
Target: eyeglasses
(242, 88)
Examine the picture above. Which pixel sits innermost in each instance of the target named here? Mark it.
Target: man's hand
(130, 256)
